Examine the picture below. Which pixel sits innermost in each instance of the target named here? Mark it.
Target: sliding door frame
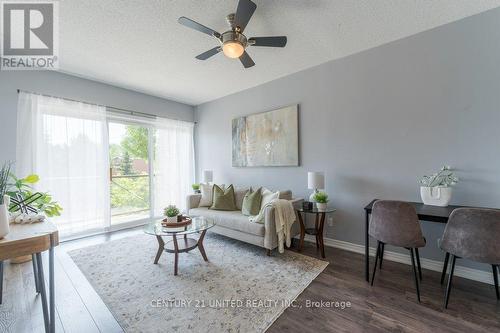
(150, 127)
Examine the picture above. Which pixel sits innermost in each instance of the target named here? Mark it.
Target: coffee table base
(183, 245)
(176, 246)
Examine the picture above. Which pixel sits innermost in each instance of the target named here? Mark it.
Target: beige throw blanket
(284, 216)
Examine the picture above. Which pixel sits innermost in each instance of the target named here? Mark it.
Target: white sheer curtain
(173, 163)
(66, 144)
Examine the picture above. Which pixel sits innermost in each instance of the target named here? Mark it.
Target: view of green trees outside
(129, 172)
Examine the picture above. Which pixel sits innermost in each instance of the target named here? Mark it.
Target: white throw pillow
(268, 196)
(207, 194)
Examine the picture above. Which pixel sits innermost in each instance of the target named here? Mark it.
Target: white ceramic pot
(4, 220)
(436, 196)
(171, 219)
(321, 206)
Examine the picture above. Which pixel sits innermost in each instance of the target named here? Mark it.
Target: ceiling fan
(233, 42)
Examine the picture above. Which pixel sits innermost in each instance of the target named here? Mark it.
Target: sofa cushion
(206, 195)
(207, 191)
(286, 195)
(251, 202)
(223, 199)
(239, 194)
(268, 196)
(233, 220)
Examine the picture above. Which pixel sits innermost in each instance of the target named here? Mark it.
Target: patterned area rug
(240, 289)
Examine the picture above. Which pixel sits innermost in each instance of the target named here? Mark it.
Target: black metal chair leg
(495, 279)
(415, 274)
(418, 264)
(382, 249)
(445, 267)
(35, 273)
(450, 276)
(376, 259)
(1, 281)
(43, 293)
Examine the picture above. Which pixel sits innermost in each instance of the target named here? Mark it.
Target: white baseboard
(433, 265)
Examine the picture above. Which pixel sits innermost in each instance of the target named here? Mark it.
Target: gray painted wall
(376, 121)
(62, 85)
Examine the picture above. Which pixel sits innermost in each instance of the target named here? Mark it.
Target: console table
(424, 212)
(29, 239)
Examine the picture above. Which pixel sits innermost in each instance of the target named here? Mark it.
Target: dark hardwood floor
(389, 306)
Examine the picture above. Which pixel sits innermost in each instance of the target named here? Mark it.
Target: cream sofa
(236, 225)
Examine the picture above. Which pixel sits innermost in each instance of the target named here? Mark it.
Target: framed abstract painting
(267, 139)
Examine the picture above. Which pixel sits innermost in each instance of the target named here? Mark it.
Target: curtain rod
(115, 109)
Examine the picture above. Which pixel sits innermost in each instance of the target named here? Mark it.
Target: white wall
(378, 120)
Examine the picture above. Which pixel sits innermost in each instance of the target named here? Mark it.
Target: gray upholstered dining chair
(396, 223)
(474, 234)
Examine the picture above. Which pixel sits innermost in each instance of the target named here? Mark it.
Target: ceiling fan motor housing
(233, 36)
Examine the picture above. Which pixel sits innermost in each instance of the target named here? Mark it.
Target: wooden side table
(33, 239)
(317, 231)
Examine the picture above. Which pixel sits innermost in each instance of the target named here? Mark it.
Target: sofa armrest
(297, 203)
(192, 201)
(270, 236)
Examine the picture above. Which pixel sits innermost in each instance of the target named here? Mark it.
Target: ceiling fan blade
(209, 53)
(244, 13)
(246, 60)
(278, 41)
(197, 26)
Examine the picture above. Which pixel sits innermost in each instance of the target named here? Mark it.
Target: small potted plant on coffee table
(171, 212)
(321, 199)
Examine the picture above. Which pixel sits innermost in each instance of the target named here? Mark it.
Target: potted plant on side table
(171, 212)
(321, 199)
(436, 189)
(196, 188)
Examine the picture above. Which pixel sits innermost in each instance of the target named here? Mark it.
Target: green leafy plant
(24, 186)
(321, 197)
(171, 211)
(444, 178)
(4, 180)
(126, 165)
(196, 187)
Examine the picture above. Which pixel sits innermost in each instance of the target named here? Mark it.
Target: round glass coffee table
(179, 244)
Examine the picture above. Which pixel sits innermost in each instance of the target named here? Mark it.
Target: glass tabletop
(316, 210)
(199, 224)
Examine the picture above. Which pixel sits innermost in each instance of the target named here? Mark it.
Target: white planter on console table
(436, 196)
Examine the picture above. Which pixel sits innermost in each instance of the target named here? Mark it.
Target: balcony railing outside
(129, 197)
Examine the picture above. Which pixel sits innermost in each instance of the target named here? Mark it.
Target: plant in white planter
(171, 212)
(436, 189)
(321, 199)
(196, 188)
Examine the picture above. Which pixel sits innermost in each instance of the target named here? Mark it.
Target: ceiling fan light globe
(233, 49)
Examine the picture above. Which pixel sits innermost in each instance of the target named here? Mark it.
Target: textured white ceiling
(138, 44)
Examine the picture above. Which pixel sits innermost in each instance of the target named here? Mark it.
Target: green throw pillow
(251, 202)
(223, 200)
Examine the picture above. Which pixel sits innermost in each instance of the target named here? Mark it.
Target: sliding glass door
(97, 162)
(130, 172)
